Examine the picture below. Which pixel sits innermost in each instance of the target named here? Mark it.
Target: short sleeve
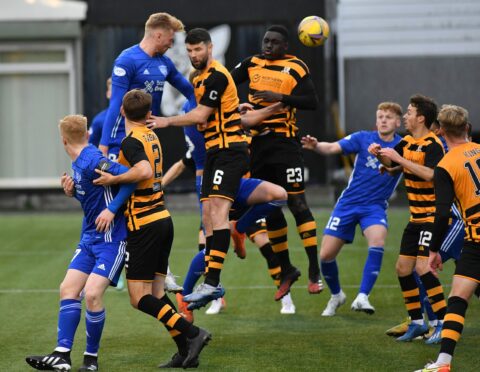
(133, 150)
(215, 86)
(351, 144)
(433, 154)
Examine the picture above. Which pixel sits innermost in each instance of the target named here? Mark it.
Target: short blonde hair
(453, 120)
(390, 106)
(73, 128)
(165, 21)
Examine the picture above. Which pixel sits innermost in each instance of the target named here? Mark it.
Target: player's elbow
(143, 171)
(146, 173)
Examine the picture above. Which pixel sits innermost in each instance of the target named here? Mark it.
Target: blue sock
(94, 321)
(255, 213)
(68, 319)
(330, 274)
(424, 302)
(371, 269)
(196, 269)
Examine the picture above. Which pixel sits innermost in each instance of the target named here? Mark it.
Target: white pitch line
(233, 288)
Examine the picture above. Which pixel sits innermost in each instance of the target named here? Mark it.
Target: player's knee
(134, 302)
(67, 290)
(278, 193)
(327, 254)
(402, 268)
(94, 299)
(297, 204)
(377, 242)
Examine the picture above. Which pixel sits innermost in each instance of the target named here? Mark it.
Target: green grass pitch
(251, 335)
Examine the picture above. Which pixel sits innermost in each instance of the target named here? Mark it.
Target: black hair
(197, 36)
(425, 106)
(282, 30)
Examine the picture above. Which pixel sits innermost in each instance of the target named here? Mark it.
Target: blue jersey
(194, 139)
(366, 185)
(135, 69)
(95, 130)
(95, 199)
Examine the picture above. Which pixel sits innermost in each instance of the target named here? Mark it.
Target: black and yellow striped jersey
(461, 174)
(146, 204)
(280, 76)
(427, 151)
(214, 87)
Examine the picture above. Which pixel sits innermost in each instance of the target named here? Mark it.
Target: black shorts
(223, 171)
(148, 250)
(416, 240)
(279, 160)
(468, 265)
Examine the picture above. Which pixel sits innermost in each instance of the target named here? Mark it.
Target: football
(313, 31)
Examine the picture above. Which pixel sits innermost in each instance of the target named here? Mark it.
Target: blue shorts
(344, 220)
(453, 242)
(247, 185)
(101, 258)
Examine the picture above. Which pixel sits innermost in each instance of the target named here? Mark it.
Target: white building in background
(391, 49)
(40, 82)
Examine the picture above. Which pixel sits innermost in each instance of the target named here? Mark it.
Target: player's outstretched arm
(250, 118)
(173, 172)
(139, 172)
(199, 114)
(112, 117)
(325, 148)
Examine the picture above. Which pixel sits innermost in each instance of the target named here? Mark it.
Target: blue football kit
(95, 130)
(195, 146)
(101, 253)
(135, 69)
(365, 199)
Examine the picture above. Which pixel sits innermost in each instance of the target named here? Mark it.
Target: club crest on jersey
(119, 71)
(163, 70)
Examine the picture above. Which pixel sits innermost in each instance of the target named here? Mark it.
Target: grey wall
(369, 81)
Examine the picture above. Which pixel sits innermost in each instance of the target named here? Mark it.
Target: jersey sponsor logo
(163, 70)
(159, 86)
(146, 72)
(153, 86)
(255, 78)
(119, 71)
(101, 267)
(148, 86)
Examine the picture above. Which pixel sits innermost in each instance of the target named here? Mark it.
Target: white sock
(62, 349)
(444, 358)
